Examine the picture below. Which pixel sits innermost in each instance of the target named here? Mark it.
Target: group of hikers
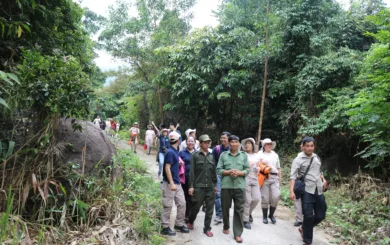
(110, 126)
(194, 175)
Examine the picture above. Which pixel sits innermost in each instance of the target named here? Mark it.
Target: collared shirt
(227, 162)
(217, 154)
(203, 172)
(313, 177)
(272, 159)
(185, 155)
(172, 157)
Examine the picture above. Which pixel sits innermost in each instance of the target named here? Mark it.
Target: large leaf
(2, 102)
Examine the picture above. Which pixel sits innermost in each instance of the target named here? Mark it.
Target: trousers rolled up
(238, 197)
(168, 198)
(200, 197)
(270, 192)
(252, 197)
(314, 210)
(298, 210)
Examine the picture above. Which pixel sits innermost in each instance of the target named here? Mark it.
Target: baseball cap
(174, 136)
(204, 137)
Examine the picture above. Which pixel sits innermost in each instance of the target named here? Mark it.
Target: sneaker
(182, 229)
(250, 218)
(218, 219)
(247, 225)
(168, 232)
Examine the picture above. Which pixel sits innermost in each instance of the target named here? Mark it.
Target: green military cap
(204, 137)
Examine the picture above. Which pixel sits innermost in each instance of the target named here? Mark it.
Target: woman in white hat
(270, 191)
(189, 132)
(149, 136)
(134, 132)
(252, 190)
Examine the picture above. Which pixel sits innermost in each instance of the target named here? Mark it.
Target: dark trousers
(314, 210)
(203, 195)
(238, 197)
(187, 196)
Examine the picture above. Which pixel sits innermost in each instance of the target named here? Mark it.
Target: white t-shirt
(183, 145)
(271, 158)
(150, 134)
(253, 160)
(134, 130)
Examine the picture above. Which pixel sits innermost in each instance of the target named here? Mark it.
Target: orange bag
(264, 173)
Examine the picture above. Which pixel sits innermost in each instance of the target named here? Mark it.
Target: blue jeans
(218, 207)
(314, 210)
(161, 157)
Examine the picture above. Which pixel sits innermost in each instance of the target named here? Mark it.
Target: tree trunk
(160, 104)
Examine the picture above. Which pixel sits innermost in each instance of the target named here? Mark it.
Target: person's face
(149, 128)
(190, 143)
(268, 147)
(248, 147)
(224, 140)
(171, 127)
(234, 145)
(204, 145)
(165, 133)
(308, 148)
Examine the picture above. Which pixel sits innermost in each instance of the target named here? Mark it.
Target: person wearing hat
(233, 166)
(270, 191)
(149, 136)
(189, 132)
(172, 190)
(134, 132)
(252, 190)
(203, 184)
(313, 200)
(164, 145)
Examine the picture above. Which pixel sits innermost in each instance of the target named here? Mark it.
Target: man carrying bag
(306, 180)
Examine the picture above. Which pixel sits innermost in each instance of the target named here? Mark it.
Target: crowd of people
(195, 176)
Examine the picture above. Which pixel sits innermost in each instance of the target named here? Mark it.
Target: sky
(202, 17)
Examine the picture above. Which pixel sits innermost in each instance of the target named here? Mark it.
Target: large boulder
(89, 147)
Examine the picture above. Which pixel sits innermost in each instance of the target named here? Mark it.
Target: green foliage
(369, 109)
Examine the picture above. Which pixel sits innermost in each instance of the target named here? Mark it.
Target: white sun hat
(268, 140)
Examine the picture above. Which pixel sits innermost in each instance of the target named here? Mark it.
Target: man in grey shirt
(313, 200)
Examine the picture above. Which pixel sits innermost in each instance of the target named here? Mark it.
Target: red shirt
(113, 126)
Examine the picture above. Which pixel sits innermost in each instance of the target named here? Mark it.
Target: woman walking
(185, 155)
(164, 145)
(252, 190)
(270, 191)
(149, 136)
(134, 132)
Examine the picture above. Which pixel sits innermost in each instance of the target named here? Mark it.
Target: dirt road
(283, 233)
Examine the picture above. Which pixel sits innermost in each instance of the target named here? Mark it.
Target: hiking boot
(297, 223)
(271, 215)
(218, 219)
(247, 225)
(250, 218)
(167, 232)
(182, 229)
(265, 212)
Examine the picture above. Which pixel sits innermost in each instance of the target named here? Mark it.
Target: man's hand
(292, 196)
(234, 173)
(173, 187)
(216, 190)
(191, 191)
(325, 185)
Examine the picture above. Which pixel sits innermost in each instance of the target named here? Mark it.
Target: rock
(98, 147)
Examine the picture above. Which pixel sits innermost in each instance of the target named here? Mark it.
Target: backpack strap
(307, 170)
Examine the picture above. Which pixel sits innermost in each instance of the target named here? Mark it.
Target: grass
(91, 209)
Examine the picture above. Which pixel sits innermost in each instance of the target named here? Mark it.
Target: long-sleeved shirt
(313, 177)
(227, 162)
(203, 172)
